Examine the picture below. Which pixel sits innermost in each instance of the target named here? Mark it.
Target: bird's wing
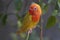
(26, 24)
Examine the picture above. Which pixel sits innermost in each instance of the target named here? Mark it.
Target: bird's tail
(23, 30)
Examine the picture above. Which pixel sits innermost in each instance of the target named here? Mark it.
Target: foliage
(4, 19)
(51, 22)
(18, 4)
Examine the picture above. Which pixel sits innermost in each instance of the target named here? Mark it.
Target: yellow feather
(27, 24)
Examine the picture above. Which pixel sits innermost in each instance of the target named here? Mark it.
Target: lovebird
(31, 18)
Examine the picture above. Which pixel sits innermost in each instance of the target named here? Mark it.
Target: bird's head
(35, 9)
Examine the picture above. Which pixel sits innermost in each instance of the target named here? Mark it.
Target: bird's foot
(30, 31)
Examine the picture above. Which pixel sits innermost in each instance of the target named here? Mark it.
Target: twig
(27, 38)
(9, 3)
(29, 32)
(41, 33)
(8, 6)
(41, 28)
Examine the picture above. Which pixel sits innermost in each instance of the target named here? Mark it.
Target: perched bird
(31, 18)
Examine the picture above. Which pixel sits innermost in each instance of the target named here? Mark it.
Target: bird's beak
(30, 12)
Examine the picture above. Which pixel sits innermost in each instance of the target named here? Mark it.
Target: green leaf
(59, 3)
(40, 2)
(18, 17)
(1, 15)
(49, 1)
(56, 6)
(19, 24)
(55, 12)
(51, 22)
(45, 9)
(58, 0)
(18, 4)
(4, 18)
(23, 35)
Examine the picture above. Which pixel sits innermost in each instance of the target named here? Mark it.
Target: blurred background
(12, 10)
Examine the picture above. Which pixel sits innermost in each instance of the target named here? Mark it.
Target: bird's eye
(35, 8)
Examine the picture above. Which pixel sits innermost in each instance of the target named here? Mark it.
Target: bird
(31, 19)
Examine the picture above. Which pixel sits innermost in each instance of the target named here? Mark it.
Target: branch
(41, 28)
(27, 38)
(8, 6)
(51, 7)
(9, 3)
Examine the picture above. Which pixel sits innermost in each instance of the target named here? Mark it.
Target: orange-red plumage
(36, 11)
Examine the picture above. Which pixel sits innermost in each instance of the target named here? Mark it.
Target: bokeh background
(12, 10)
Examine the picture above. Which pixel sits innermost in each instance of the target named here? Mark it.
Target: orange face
(34, 9)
